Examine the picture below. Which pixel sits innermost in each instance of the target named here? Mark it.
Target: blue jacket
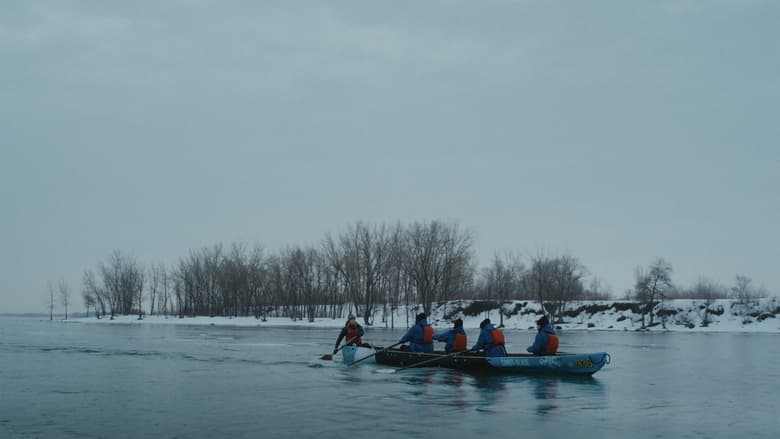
(415, 338)
(540, 342)
(485, 341)
(449, 338)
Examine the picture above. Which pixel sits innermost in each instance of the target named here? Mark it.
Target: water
(158, 381)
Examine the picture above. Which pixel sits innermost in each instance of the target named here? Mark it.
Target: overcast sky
(614, 131)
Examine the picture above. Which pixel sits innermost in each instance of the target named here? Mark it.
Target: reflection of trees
(490, 389)
(420, 381)
(455, 381)
(546, 391)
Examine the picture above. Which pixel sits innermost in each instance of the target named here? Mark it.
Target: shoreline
(681, 315)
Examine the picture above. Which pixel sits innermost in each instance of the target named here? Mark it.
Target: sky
(614, 131)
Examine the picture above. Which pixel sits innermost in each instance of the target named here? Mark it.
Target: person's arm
(444, 336)
(539, 342)
(407, 336)
(342, 334)
(480, 342)
(361, 332)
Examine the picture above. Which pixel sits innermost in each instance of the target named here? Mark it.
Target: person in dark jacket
(546, 341)
(352, 331)
(419, 336)
(491, 340)
(455, 338)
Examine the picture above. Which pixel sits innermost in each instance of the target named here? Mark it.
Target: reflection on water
(420, 383)
(491, 390)
(495, 394)
(546, 392)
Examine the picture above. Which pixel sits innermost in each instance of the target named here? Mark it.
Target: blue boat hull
(561, 364)
(577, 364)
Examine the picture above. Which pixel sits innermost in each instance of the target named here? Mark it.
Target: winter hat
(484, 323)
(420, 317)
(459, 323)
(543, 321)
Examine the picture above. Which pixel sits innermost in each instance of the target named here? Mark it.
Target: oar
(431, 360)
(377, 352)
(330, 357)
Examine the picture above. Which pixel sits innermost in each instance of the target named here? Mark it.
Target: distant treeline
(366, 268)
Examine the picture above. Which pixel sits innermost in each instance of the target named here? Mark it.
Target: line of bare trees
(653, 285)
(553, 281)
(365, 269)
(61, 292)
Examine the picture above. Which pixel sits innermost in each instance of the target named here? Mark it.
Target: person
(455, 338)
(546, 342)
(491, 340)
(419, 336)
(352, 331)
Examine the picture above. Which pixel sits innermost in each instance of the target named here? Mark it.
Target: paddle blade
(327, 357)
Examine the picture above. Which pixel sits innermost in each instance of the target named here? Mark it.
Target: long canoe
(560, 364)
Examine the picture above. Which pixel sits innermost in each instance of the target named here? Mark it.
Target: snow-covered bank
(677, 315)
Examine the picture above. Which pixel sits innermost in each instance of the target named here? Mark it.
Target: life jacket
(427, 337)
(498, 337)
(354, 333)
(459, 344)
(552, 344)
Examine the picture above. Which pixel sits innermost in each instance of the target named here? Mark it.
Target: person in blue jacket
(546, 342)
(419, 336)
(491, 340)
(455, 338)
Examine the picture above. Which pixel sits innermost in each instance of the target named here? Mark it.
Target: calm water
(123, 381)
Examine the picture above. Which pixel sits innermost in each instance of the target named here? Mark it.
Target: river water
(84, 380)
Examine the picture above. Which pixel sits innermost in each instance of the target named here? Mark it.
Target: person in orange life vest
(546, 342)
(455, 338)
(352, 331)
(491, 340)
(419, 336)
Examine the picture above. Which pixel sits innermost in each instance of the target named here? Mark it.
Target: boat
(559, 364)
(351, 353)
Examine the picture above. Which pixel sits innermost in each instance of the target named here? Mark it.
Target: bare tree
(51, 301)
(555, 281)
(439, 260)
(742, 291)
(64, 292)
(397, 282)
(122, 283)
(653, 284)
(156, 279)
(358, 259)
(598, 290)
(92, 294)
(501, 279)
(89, 302)
(706, 290)
(140, 297)
(539, 280)
(567, 272)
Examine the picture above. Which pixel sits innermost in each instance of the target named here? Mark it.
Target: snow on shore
(681, 315)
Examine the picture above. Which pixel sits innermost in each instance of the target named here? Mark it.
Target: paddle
(330, 357)
(377, 352)
(431, 360)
